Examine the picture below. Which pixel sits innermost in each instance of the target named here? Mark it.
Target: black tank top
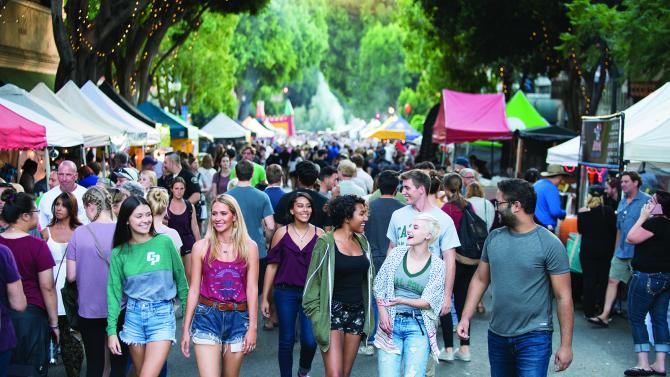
(350, 273)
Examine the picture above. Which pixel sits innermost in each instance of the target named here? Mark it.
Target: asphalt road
(597, 352)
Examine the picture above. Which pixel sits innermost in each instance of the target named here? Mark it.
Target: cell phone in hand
(657, 209)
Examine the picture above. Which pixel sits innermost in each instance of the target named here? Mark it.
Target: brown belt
(224, 306)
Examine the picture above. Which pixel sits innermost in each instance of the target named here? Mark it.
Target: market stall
(222, 127)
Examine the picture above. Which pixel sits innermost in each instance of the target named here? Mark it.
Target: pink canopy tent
(17, 132)
(467, 117)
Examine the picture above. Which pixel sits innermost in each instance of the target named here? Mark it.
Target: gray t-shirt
(404, 217)
(409, 285)
(256, 206)
(520, 268)
(375, 229)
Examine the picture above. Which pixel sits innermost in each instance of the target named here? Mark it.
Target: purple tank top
(224, 281)
(182, 224)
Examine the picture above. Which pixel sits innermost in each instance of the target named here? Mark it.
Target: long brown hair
(68, 201)
(239, 231)
(453, 184)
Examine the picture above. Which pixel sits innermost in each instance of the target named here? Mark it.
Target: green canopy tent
(521, 115)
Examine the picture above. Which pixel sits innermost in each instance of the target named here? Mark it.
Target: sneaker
(462, 356)
(366, 350)
(446, 355)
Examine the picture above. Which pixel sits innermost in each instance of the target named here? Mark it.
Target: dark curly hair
(342, 208)
(16, 204)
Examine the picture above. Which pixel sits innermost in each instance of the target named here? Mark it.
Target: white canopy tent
(85, 108)
(92, 137)
(261, 132)
(92, 92)
(92, 131)
(646, 132)
(57, 134)
(222, 127)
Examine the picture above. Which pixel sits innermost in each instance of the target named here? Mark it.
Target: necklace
(300, 237)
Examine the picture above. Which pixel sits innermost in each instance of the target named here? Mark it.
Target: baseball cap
(148, 160)
(127, 173)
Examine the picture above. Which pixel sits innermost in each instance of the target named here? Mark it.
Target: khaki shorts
(620, 269)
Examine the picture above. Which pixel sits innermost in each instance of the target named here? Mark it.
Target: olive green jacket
(318, 293)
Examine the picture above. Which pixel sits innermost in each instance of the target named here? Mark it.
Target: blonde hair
(158, 200)
(151, 175)
(432, 224)
(593, 201)
(347, 168)
(239, 231)
(100, 198)
(474, 189)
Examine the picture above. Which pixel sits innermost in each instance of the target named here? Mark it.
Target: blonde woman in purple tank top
(222, 304)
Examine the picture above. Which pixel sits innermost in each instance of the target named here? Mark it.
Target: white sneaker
(366, 350)
(446, 355)
(462, 356)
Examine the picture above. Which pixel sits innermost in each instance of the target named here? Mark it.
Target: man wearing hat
(548, 206)
(123, 175)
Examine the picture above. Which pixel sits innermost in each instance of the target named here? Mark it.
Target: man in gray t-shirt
(524, 263)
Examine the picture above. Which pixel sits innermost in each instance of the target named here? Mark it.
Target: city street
(597, 352)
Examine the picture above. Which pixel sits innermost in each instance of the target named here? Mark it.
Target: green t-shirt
(258, 177)
(150, 271)
(377, 194)
(409, 285)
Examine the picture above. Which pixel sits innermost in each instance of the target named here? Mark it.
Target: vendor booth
(222, 127)
(184, 137)
(398, 123)
(257, 130)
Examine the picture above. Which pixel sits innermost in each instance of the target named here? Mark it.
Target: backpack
(472, 234)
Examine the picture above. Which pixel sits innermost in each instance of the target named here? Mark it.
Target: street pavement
(597, 352)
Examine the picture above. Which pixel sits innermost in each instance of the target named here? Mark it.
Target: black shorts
(348, 318)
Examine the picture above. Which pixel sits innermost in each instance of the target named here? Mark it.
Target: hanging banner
(601, 141)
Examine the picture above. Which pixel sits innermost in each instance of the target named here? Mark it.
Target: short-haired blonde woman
(409, 289)
(222, 304)
(159, 199)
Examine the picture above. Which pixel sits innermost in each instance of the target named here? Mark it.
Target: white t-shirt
(174, 236)
(206, 175)
(484, 209)
(403, 218)
(364, 180)
(48, 198)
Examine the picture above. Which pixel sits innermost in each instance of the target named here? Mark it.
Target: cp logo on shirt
(153, 258)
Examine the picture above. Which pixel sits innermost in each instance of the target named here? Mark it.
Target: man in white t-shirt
(67, 182)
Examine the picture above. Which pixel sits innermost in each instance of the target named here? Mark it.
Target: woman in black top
(597, 225)
(649, 289)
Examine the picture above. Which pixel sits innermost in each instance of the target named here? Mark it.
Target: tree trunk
(67, 65)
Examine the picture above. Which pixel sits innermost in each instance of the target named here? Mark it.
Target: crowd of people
(352, 252)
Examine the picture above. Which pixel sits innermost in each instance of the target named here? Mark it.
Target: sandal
(598, 321)
(657, 373)
(636, 371)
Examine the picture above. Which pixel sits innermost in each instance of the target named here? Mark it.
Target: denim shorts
(348, 318)
(148, 321)
(212, 326)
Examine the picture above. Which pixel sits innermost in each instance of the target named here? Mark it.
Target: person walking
(12, 298)
(159, 201)
(627, 215)
(597, 225)
(338, 291)
(67, 182)
(519, 338)
(58, 234)
(222, 302)
(482, 206)
(182, 218)
(147, 270)
(409, 289)
(35, 326)
(286, 270)
(548, 208)
(88, 254)
(306, 173)
(465, 268)
(649, 289)
(222, 177)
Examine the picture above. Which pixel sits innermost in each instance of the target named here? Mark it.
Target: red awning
(467, 117)
(17, 132)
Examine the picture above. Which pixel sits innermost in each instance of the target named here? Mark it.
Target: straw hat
(553, 170)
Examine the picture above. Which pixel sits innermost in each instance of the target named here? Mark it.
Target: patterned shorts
(348, 318)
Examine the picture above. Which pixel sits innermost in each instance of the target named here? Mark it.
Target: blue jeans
(5, 361)
(289, 307)
(525, 355)
(148, 321)
(649, 293)
(410, 336)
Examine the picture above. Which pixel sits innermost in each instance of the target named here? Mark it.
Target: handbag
(573, 247)
(70, 292)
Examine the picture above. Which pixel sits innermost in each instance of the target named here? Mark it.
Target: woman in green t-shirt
(147, 269)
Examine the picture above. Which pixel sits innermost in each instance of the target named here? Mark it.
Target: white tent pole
(47, 163)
